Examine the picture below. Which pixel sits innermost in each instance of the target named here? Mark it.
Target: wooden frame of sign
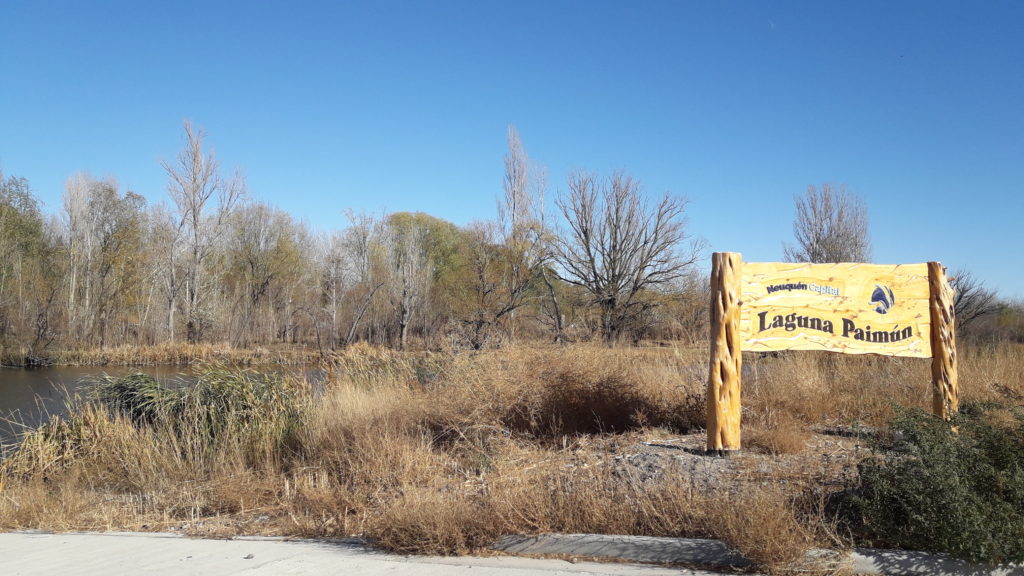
(850, 308)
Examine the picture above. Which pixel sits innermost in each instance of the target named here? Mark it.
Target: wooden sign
(847, 308)
(901, 310)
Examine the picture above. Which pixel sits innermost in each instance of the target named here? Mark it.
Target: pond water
(29, 396)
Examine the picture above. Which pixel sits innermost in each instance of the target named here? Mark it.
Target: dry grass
(182, 354)
(776, 432)
(443, 453)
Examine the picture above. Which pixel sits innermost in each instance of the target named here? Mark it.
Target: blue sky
(918, 107)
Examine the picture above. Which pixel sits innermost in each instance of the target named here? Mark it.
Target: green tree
(24, 293)
(102, 257)
(423, 260)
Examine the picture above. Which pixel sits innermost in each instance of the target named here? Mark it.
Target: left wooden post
(723, 394)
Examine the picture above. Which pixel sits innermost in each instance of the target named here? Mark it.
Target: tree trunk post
(723, 393)
(945, 381)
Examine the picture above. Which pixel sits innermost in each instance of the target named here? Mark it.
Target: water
(30, 396)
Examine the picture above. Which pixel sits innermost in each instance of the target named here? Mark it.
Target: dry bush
(574, 494)
(585, 495)
(830, 389)
(992, 372)
(428, 522)
(368, 366)
(369, 431)
(551, 393)
(762, 524)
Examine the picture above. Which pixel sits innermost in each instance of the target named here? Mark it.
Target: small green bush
(953, 487)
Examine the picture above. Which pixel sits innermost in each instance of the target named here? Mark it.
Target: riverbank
(167, 354)
(443, 453)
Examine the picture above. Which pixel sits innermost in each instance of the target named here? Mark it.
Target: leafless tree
(482, 252)
(972, 299)
(359, 239)
(525, 233)
(620, 248)
(335, 278)
(409, 273)
(194, 184)
(831, 225)
(255, 234)
(507, 257)
(166, 263)
(77, 231)
(521, 228)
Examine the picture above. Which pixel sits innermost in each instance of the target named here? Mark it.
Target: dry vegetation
(170, 354)
(443, 453)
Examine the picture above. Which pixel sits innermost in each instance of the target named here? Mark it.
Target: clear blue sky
(916, 106)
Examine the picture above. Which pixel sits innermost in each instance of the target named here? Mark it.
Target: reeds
(167, 353)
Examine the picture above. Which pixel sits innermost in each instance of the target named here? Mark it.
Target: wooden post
(945, 391)
(723, 394)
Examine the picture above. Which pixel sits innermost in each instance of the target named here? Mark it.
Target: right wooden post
(723, 393)
(945, 385)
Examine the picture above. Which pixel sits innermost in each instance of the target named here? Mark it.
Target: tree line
(211, 264)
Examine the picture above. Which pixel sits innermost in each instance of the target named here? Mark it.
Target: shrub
(948, 487)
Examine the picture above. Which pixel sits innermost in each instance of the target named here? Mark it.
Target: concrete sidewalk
(103, 554)
(715, 554)
(96, 554)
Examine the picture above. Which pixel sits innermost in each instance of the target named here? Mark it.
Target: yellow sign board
(850, 308)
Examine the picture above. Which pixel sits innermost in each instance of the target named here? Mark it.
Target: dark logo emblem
(882, 299)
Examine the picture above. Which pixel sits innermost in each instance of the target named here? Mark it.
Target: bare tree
(620, 248)
(528, 240)
(831, 225)
(166, 264)
(409, 272)
(335, 277)
(972, 300)
(194, 184)
(254, 242)
(508, 257)
(521, 227)
(79, 250)
(359, 240)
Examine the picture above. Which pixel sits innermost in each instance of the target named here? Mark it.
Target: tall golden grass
(169, 353)
(443, 453)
